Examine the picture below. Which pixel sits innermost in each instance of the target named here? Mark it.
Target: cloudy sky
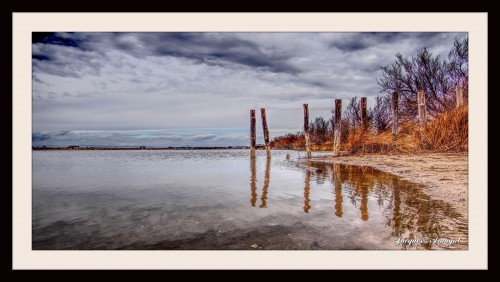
(196, 89)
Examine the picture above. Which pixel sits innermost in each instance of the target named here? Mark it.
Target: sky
(197, 89)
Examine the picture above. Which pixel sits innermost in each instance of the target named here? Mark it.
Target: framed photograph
(249, 140)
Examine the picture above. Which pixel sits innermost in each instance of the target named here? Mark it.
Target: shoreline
(77, 148)
(444, 175)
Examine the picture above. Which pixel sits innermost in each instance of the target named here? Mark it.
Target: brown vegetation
(447, 132)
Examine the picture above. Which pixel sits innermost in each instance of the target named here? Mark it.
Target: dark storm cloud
(210, 48)
(63, 60)
(350, 42)
(53, 38)
(206, 47)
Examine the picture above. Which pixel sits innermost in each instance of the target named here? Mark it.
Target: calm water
(221, 199)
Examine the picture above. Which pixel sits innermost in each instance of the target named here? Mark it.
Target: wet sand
(445, 175)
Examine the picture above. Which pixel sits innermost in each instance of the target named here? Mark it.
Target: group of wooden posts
(337, 126)
(422, 117)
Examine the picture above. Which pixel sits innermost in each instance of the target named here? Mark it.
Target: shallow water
(224, 199)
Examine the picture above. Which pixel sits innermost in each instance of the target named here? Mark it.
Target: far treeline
(446, 124)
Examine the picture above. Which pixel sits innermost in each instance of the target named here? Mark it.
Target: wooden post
(266, 131)
(337, 128)
(394, 117)
(364, 121)
(252, 132)
(306, 130)
(459, 92)
(422, 109)
(422, 113)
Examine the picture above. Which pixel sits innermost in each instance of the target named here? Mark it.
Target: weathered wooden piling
(364, 117)
(422, 113)
(395, 114)
(337, 128)
(306, 130)
(252, 132)
(266, 131)
(422, 108)
(459, 93)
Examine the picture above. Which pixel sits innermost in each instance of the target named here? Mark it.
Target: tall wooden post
(337, 128)
(395, 117)
(422, 113)
(252, 133)
(364, 121)
(266, 131)
(459, 93)
(422, 109)
(306, 130)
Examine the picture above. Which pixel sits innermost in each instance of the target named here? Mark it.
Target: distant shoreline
(78, 148)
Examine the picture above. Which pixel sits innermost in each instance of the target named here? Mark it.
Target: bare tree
(459, 63)
(352, 113)
(459, 59)
(319, 130)
(424, 71)
(380, 113)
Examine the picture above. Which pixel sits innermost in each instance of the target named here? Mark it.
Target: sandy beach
(445, 175)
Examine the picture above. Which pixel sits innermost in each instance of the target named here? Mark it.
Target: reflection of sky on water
(111, 199)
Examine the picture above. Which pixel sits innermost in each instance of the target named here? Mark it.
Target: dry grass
(327, 146)
(447, 132)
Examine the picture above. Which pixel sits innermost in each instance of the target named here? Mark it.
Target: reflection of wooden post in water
(266, 131)
(267, 178)
(364, 120)
(350, 176)
(364, 202)
(252, 133)
(396, 214)
(307, 188)
(394, 117)
(337, 182)
(337, 128)
(253, 179)
(306, 130)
